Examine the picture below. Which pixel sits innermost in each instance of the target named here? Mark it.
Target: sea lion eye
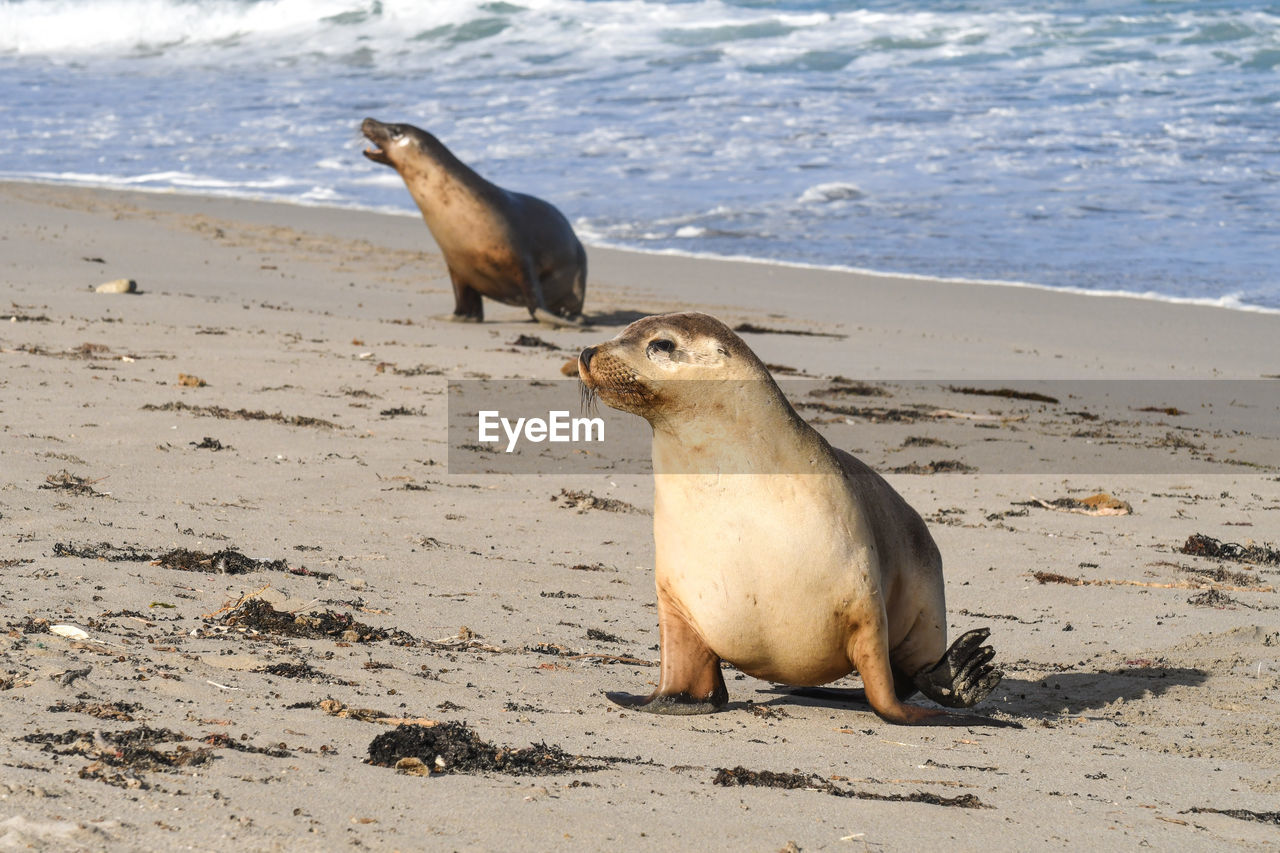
(395, 131)
(661, 345)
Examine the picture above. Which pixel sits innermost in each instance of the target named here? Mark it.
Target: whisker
(588, 398)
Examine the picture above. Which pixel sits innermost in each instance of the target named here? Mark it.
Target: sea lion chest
(772, 570)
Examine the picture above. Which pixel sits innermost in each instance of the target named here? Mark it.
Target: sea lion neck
(733, 427)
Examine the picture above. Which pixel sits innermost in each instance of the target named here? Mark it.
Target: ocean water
(1130, 146)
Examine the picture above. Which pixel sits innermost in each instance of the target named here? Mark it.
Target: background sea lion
(789, 559)
(508, 246)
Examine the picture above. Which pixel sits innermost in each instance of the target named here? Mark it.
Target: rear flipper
(964, 676)
(555, 321)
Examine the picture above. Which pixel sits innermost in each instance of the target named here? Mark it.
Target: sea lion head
(391, 142)
(653, 367)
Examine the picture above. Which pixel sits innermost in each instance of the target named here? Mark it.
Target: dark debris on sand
(65, 481)
(103, 551)
(257, 615)
(118, 757)
(873, 414)
(753, 329)
(225, 562)
(210, 444)
(1272, 818)
(939, 466)
(241, 415)
(453, 747)
(302, 672)
(122, 711)
(583, 501)
(1007, 393)
(842, 386)
(813, 782)
(532, 341)
(1199, 545)
(1214, 598)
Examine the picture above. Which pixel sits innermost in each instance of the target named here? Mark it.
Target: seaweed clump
(1199, 545)
(258, 615)
(453, 747)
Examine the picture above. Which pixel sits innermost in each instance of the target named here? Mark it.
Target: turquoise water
(1127, 146)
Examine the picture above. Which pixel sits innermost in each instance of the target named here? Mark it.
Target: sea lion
(775, 552)
(508, 246)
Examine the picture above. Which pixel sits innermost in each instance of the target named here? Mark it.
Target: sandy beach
(239, 574)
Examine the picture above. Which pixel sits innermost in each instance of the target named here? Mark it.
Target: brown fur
(507, 246)
(773, 551)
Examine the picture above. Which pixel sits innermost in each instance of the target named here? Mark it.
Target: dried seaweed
(218, 740)
(583, 501)
(532, 341)
(800, 781)
(118, 757)
(121, 711)
(420, 370)
(1239, 814)
(1199, 545)
(753, 329)
(1008, 393)
(65, 481)
(1213, 598)
(226, 562)
(924, 441)
(453, 747)
(1053, 577)
(939, 466)
(302, 672)
(256, 614)
(841, 387)
(103, 551)
(874, 414)
(241, 415)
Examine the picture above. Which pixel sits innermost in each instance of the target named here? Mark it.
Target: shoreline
(1228, 303)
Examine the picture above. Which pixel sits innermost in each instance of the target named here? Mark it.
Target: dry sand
(1149, 690)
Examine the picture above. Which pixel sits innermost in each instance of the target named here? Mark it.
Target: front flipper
(964, 676)
(677, 705)
(689, 672)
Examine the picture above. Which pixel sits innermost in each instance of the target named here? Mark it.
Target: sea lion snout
(585, 358)
(380, 135)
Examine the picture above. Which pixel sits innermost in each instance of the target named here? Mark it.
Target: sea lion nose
(585, 358)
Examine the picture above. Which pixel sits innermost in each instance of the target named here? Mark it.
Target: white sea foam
(1126, 146)
(822, 193)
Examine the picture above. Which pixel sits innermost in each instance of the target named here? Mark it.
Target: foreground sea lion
(789, 559)
(510, 247)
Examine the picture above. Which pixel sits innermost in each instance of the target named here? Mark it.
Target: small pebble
(120, 285)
